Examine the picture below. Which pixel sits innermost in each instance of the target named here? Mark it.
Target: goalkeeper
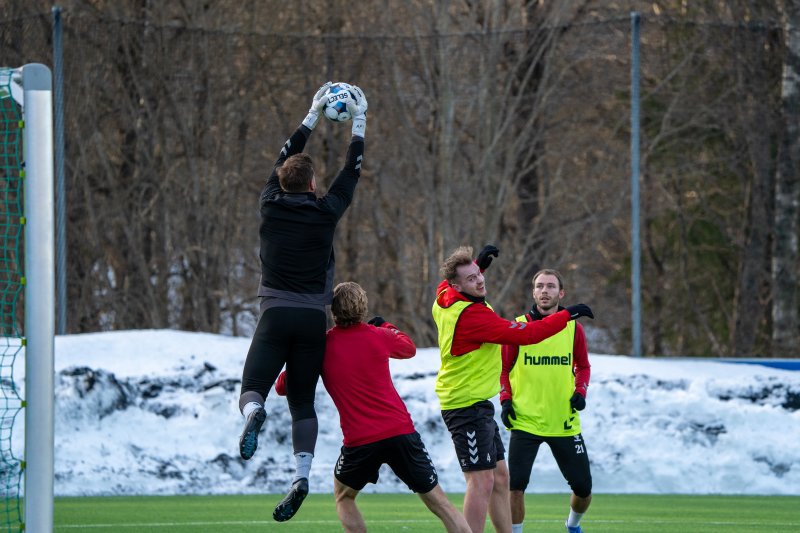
(376, 426)
(297, 268)
(543, 386)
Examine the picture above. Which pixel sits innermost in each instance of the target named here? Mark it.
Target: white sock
(516, 528)
(303, 462)
(249, 407)
(574, 518)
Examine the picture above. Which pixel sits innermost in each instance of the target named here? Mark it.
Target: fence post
(61, 198)
(636, 298)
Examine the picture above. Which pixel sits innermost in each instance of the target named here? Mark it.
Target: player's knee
(518, 482)
(501, 472)
(342, 493)
(481, 481)
(302, 410)
(501, 482)
(582, 488)
(434, 499)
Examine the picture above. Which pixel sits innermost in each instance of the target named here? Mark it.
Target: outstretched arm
(296, 143)
(479, 324)
(341, 191)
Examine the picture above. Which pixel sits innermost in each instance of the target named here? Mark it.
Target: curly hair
(461, 256)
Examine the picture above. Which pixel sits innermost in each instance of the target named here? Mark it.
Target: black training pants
(293, 336)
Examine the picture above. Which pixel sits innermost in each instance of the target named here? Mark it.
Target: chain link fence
(516, 135)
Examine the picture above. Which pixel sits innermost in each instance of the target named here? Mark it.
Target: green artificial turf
(609, 513)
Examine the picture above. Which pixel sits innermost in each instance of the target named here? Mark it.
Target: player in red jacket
(376, 425)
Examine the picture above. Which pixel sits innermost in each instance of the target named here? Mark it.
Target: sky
(156, 412)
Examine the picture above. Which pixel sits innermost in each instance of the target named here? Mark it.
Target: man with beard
(543, 386)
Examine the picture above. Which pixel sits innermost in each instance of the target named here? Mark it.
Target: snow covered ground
(155, 412)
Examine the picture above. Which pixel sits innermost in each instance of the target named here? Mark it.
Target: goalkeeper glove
(485, 257)
(578, 310)
(316, 107)
(357, 107)
(578, 402)
(507, 413)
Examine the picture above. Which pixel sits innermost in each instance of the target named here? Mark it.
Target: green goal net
(12, 281)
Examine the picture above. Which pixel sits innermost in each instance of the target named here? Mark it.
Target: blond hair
(349, 304)
(461, 256)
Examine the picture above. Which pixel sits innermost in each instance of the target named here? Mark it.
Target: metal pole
(61, 196)
(636, 298)
(37, 84)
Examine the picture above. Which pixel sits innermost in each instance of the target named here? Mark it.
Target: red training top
(356, 374)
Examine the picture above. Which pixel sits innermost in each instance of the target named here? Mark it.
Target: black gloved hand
(578, 402)
(578, 310)
(485, 257)
(507, 413)
(376, 321)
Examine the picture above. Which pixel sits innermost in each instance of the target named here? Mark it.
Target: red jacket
(355, 372)
(478, 324)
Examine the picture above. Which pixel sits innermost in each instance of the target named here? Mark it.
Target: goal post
(36, 83)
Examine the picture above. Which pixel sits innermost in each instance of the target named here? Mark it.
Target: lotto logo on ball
(336, 100)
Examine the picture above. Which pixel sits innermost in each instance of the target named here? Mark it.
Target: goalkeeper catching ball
(297, 269)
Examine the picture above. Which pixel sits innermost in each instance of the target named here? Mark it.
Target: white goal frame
(32, 88)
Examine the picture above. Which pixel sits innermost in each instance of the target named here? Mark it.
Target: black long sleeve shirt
(297, 230)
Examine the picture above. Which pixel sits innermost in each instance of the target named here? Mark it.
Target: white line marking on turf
(403, 521)
(229, 523)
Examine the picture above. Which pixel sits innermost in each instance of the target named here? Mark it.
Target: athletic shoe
(248, 441)
(576, 529)
(291, 503)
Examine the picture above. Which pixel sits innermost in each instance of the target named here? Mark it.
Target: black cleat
(248, 441)
(291, 503)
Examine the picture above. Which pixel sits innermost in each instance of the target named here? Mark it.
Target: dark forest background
(504, 122)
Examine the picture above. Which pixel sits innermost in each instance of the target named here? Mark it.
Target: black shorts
(475, 435)
(405, 454)
(569, 452)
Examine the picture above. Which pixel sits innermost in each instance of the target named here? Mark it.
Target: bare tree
(785, 262)
(490, 122)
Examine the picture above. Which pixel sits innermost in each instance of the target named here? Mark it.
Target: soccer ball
(336, 98)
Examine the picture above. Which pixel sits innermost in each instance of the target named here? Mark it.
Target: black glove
(376, 321)
(485, 257)
(578, 310)
(578, 402)
(507, 413)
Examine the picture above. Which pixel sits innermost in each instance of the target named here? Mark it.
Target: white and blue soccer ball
(337, 97)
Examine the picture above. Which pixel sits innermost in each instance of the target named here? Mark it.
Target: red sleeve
(399, 344)
(582, 367)
(280, 384)
(510, 354)
(478, 324)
